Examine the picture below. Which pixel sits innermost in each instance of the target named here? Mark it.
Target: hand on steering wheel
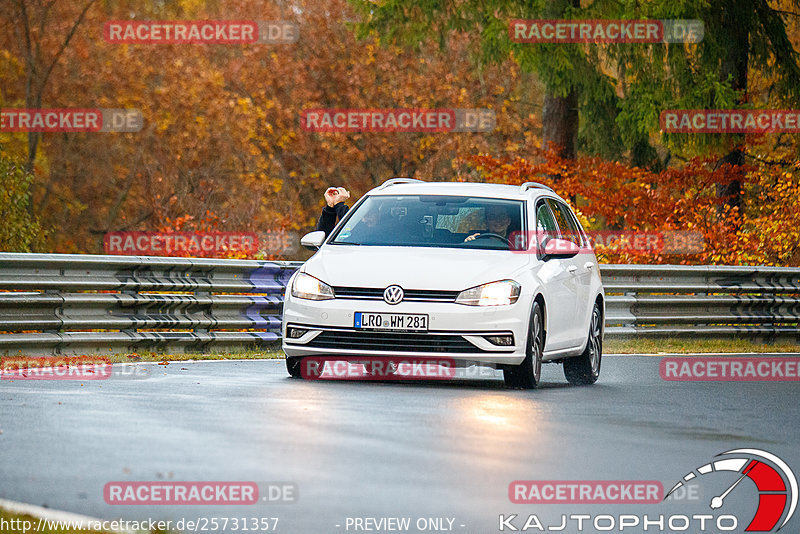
(485, 235)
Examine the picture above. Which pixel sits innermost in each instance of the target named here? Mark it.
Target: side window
(546, 227)
(566, 222)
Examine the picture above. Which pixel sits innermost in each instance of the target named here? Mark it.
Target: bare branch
(63, 47)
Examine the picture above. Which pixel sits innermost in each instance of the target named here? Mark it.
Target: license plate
(413, 322)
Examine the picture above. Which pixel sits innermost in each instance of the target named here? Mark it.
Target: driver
(497, 219)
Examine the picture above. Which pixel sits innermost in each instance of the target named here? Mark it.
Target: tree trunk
(560, 123)
(736, 22)
(732, 191)
(560, 113)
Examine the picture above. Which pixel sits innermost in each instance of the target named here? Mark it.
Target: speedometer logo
(774, 480)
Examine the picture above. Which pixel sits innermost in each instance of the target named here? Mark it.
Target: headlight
(499, 293)
(306, 286)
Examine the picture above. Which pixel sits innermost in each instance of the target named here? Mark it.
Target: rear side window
(546, 226)
(566, 222)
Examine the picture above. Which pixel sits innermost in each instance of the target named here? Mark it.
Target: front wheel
(293, 364)
(585, 369)
(527, 374)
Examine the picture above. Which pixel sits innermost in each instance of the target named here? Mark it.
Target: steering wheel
(484, 235)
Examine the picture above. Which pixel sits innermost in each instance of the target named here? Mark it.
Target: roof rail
(394, 181)
(531, 185)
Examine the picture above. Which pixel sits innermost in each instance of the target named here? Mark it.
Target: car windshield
(434, 221)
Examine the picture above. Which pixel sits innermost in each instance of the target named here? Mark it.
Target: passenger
(335, 209)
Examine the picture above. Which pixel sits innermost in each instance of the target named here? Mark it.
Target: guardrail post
(59, 312)
(633, 309)
(136, 309)
(199, 295)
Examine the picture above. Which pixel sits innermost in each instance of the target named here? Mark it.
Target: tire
(585, 369)
(528, 374)
(293, 364)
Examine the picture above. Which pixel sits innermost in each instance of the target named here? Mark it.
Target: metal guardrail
(80, 304)
(702, 300)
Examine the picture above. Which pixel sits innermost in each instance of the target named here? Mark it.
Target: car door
(559, 284)
(579, 268)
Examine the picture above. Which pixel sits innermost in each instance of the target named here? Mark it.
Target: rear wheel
(527, 374)
(293, 364)
(585, 369)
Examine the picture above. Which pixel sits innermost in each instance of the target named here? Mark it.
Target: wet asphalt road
(365, 449)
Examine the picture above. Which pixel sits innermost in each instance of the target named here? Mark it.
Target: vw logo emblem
(393, 294)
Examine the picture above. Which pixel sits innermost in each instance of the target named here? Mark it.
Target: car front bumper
(455, 331)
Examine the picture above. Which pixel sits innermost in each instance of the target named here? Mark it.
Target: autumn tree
(222, 122)
(39, 32)
(684, 200)
(19, 231)
(744, 40)
(572, 74)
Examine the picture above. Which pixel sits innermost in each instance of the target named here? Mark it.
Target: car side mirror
(560, 248)
(313, 240)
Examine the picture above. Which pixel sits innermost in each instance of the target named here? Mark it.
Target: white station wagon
(483, 274)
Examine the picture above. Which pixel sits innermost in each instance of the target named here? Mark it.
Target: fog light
(294, 333)
(504, 341)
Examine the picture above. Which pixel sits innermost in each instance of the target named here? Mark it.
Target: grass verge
(181, 356)
(146, 356)
(678, 345)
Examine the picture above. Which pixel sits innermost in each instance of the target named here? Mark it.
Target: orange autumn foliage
(765, 230)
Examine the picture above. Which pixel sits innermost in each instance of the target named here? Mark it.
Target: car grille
(392, 341)
(374, 293)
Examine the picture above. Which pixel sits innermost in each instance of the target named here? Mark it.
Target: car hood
(447, 269)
